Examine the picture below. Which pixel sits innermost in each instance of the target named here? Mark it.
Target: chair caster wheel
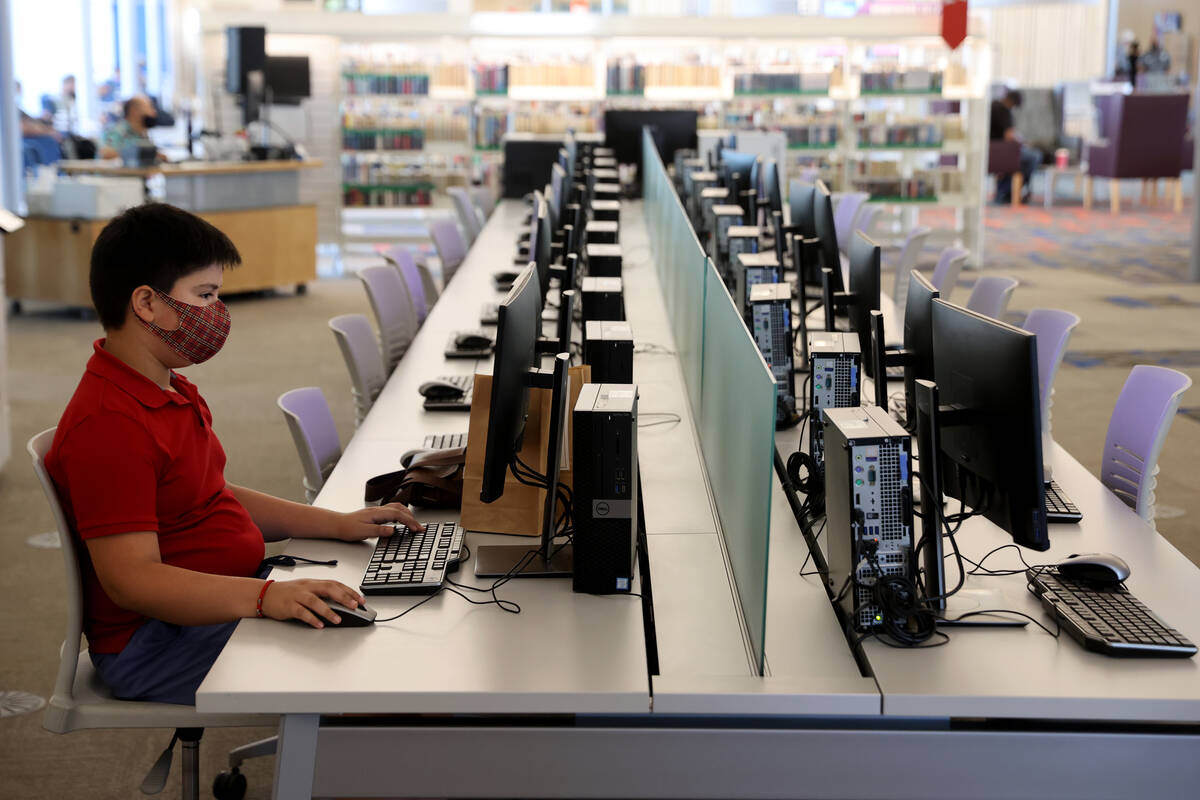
(229, 785)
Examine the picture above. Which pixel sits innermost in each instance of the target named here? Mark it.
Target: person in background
(134, 128)
(1156, 59)
(39, 141)
(65, 110)
(1004, 129)
(1132, 57)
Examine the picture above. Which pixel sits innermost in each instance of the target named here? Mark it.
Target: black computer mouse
(440, 390)
(472, 340)
(358, 617)
(505, 276)
(1103, 568)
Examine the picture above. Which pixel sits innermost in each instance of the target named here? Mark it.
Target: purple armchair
(1142, 136)
(1004, 158)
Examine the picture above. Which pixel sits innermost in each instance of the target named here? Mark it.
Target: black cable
(816, 539)
(1055, 633)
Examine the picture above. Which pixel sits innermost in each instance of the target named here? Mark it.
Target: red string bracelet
(261, 595)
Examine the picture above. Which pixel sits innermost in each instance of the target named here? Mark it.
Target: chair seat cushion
(93, 706)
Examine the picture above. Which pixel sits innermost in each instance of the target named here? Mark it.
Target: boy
(172, 552)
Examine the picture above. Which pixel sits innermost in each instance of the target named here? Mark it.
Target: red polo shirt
(129, 456)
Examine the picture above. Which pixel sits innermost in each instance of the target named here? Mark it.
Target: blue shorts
(163, 663)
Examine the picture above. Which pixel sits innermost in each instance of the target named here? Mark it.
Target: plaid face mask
(202, 329)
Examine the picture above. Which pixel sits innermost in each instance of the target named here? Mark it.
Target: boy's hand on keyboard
(304, 599)
(376, 521)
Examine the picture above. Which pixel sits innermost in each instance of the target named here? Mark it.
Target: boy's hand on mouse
(375, 521)
(304, 599)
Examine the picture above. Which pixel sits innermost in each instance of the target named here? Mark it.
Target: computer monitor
(918, 341)
(287, 79)
(827, 233)
(674, 130)
(739, 164)
(800, 204)
(771, 188)
(864, 289)
(541, 248)
(989, 420)
(558, 191)
(519, 323)
(514, 373)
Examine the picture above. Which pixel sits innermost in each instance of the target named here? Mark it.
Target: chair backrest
(402, 259)
(395, 313)
(845, 215)
(311, 423)
(1004, 157)
(945, 274)
(60, 707)
(466, 211)
(914, 243)
(1145, 130)
(991, 295)
(363, 360)
(451, 248)
(1137, 430)
(1053, 330)
(484, 200)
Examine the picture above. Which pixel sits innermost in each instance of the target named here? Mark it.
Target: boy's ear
(141, 303)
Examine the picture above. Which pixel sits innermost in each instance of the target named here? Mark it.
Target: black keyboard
(461, 403)
(414, 563)
(444, 441)
(1059, 507)
(1107, 619)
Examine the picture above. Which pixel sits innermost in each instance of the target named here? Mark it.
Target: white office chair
(991, 295)
(361, 350)
(316, 437)
(468, 215)
(82, 702)
(914, 243)
(395, 312)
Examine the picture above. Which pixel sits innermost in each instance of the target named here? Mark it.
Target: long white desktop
(455, 700)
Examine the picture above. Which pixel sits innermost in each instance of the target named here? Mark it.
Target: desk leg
(296, 757)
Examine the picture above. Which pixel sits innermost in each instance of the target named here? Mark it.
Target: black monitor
(674, 130)
(771, 190)
(827, 233)
(864, 289)
(801, 204)
(989, 420)
(287, 79)
(918, 340)
(737, 163)
(519, 323)
(541, 248)
(514, 373)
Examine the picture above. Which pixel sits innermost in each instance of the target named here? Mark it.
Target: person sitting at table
(172, 552)
(134, 128)
(1004, 128)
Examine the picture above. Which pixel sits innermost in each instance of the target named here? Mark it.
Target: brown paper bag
(520, 510)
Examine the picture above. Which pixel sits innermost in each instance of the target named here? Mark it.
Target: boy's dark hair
(1014, 97)
(153, 245)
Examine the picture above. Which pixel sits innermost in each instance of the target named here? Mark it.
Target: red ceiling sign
(954, 22)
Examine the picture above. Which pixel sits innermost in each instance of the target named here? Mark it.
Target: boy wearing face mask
(139, 118)
(172, 552)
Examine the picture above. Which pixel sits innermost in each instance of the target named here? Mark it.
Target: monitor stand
(494, 561)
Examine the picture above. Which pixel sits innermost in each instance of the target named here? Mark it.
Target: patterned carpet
(1139, 246)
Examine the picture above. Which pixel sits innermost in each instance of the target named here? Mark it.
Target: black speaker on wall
(245, 51)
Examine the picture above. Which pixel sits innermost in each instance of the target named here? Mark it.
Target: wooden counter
(49, 258)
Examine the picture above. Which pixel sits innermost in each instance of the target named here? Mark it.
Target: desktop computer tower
(742, 239)
(604, 508)
(834, 363)
(609, 210)
(710, 198)
(749, 270)
(604, 260)
(606, 191)
(725, 216)
(608, 349)
(868, 507)
(601, 299)
(601, 232)
(771, 326)
(701, 179)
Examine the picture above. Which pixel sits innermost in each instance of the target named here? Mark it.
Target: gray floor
(281, 342)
